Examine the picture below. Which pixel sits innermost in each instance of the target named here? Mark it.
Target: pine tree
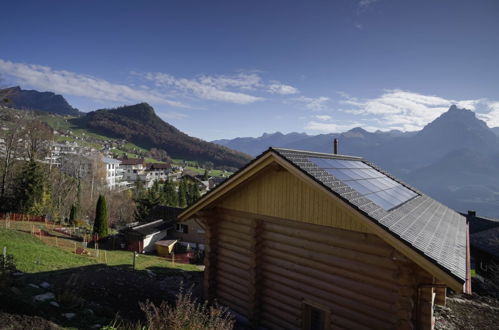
(100, 223)
(73, 215)
(182, 194)
(30, 186)
(171, 197)
(205, 175)
(193, 194)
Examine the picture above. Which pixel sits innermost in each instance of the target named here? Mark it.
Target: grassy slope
(32, 255)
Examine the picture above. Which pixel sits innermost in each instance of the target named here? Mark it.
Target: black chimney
(335, 146)
(471, 215)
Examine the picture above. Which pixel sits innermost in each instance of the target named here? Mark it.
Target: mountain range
(140, 125)
(18, 98)
(137, 123)
(454, 159)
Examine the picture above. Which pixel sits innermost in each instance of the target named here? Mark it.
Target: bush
(187, 314)
(7, 267)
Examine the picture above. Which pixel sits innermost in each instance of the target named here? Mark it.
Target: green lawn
(32, 255)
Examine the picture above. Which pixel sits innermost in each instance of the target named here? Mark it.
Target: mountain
(454, 159)
(255, 146)
(140, 124)
(34, 100)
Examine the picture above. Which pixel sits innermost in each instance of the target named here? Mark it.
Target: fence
(22, 217)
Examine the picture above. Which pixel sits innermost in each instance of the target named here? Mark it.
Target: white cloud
(366, 3)
(408, 111)
(315, 104)
(209, 88)
(323, 117)
(277, 88)
(70, 83)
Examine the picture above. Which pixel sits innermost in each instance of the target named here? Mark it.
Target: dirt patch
(87, 297)
(18, 322)
(468, 312)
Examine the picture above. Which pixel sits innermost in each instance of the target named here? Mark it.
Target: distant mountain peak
(34, 100)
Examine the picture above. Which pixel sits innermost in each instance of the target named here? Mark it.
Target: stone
(44, 285)
(34, 286)
(17, 274)
(69, 316)
(44, 296)
(54, 303)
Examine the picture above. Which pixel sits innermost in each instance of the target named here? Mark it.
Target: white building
(114, 174)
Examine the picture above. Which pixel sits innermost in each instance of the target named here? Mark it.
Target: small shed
(305, 240)
(164, 248)
(141, 238)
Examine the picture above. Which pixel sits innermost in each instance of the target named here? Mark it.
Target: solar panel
(367, 181)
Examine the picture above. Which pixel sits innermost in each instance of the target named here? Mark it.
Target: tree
(192, 194)
(73, 215)
(182, 194)
(100, 223)
(171, 197)
(205, 175)
(30, 186)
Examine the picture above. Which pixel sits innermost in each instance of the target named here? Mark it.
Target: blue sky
(221, 69)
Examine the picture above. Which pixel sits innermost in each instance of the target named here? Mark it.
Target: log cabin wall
(271, 254)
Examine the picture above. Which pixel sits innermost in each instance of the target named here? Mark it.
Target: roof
(158, 166)
(428, 230)
(108, 160)
(150, 228)
(132, 161)
(434, 230)
(478, 224)
(487, 241)
(166, 243)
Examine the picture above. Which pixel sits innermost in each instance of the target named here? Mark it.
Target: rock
(16, 291)
(44, 285)
(17, 274)
(34, 286)
(88, 311)
(44, 296)
(69, 316)
(55, 304)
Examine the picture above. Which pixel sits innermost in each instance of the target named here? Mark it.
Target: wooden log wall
(265, 268)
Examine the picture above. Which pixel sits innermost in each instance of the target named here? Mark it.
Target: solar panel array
(367, 181)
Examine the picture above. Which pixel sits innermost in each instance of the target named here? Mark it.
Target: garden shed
(141, 238)
(304, 240)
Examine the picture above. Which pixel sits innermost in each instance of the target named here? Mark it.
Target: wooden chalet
(303, 240)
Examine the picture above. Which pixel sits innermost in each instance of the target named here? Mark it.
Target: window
(181, 228)
(316, 316)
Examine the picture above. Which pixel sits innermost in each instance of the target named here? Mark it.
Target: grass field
(44, 253)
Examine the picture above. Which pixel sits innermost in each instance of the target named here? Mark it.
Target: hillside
(140, 125)
(22, 99)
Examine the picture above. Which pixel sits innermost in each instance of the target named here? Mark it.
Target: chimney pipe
(335, 146)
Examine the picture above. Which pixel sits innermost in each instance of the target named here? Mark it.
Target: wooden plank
(294, 290)
(375, 271)
(337, 251)
(375, 306)
(326, 276)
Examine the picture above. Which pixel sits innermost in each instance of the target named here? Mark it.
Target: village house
(304, 240)
(113, 172)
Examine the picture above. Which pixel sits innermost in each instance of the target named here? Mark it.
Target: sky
(225, 69)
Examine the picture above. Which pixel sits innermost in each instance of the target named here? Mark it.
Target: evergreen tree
(193, 194)
(30, 186)
(182, 194)
(205, 175)
(100, 223)
(171, 197)
(73, 215)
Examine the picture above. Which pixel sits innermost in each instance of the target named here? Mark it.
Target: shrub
(187, 314)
